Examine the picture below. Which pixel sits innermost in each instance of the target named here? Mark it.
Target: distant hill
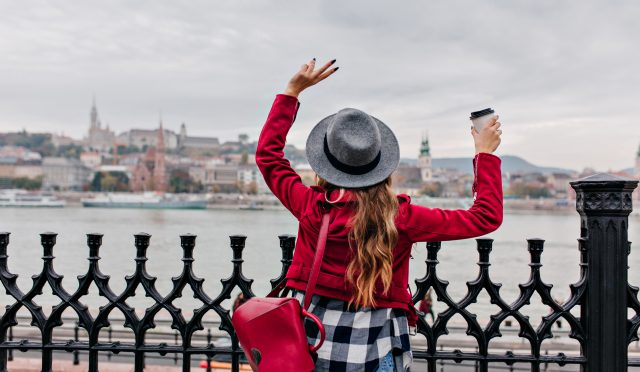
(510, 163)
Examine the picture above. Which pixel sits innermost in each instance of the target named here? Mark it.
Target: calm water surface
(262, 253)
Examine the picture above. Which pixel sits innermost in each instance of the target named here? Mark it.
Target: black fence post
(209, 338)
(287, 245)
(4, 242)
(10, 357)
(604, 204)
(110, 340)
(76, 338)
(237, 245)
(94, 242)
(141, 242)
(441, 360)
(175, 342)
(47, 241)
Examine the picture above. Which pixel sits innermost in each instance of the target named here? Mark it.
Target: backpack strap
(317, 261)
(275, 292)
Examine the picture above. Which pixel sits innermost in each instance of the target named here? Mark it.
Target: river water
(262, 254)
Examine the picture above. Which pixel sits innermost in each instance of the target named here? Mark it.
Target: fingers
(308, 76)
(308, 67)
(326, 74)
(325, 67)
(321, 71)
(312, 65)
(495, 125)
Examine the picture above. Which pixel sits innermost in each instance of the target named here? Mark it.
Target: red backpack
(271, 329)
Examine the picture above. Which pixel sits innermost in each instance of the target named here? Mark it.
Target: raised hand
(308, 76)
(488, 139)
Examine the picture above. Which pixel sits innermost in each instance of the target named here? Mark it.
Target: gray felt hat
(352, 149)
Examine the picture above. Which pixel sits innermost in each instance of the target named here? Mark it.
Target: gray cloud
(562, 74)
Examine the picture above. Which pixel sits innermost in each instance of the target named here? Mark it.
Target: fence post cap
(604, 181)
(604, 194)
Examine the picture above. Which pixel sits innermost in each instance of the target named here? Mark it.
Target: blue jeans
(387, 364)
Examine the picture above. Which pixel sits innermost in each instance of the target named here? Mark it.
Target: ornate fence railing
(602, 295)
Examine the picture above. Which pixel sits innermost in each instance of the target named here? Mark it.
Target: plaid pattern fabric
(357, 341)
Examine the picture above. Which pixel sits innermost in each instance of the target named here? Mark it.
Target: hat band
(350, 169)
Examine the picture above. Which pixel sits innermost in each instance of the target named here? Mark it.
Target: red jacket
(414, 223)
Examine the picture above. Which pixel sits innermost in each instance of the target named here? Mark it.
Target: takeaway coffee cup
(482, 118)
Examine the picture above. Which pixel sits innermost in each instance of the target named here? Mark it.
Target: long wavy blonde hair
(372, 237)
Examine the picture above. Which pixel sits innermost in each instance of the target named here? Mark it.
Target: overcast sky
(563, 75)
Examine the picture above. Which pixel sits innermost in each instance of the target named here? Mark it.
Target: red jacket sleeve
(434, 224)
(282, 180)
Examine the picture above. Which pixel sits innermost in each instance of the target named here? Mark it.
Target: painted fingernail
(336, 69)
(333, 61)
(314, 58)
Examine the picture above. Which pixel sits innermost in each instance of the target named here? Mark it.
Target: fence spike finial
(188, 243)
(141, 242)
(535, 246)
(237, 245)
(4, 243)
(48, 241)
(94, 242)
(484, 247)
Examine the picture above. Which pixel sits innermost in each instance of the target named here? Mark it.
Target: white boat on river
(28, 199)
(147, 200)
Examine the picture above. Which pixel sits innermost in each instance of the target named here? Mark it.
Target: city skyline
(564, 84)
(96, 120)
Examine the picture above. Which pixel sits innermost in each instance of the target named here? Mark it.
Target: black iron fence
(602, 295)
(71, 332)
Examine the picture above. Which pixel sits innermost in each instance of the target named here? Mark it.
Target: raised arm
(282, 180)
(435, 224)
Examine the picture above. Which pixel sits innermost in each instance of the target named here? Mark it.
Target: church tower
(424, 160)
(159, 170)
(95, 122)
(98, 139)
(183, 135)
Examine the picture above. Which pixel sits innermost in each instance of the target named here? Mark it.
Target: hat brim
(389, 158)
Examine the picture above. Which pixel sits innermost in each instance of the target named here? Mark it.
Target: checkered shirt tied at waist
(356, 340)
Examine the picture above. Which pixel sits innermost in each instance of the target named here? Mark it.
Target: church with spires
(100, 139)
(150, 173)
